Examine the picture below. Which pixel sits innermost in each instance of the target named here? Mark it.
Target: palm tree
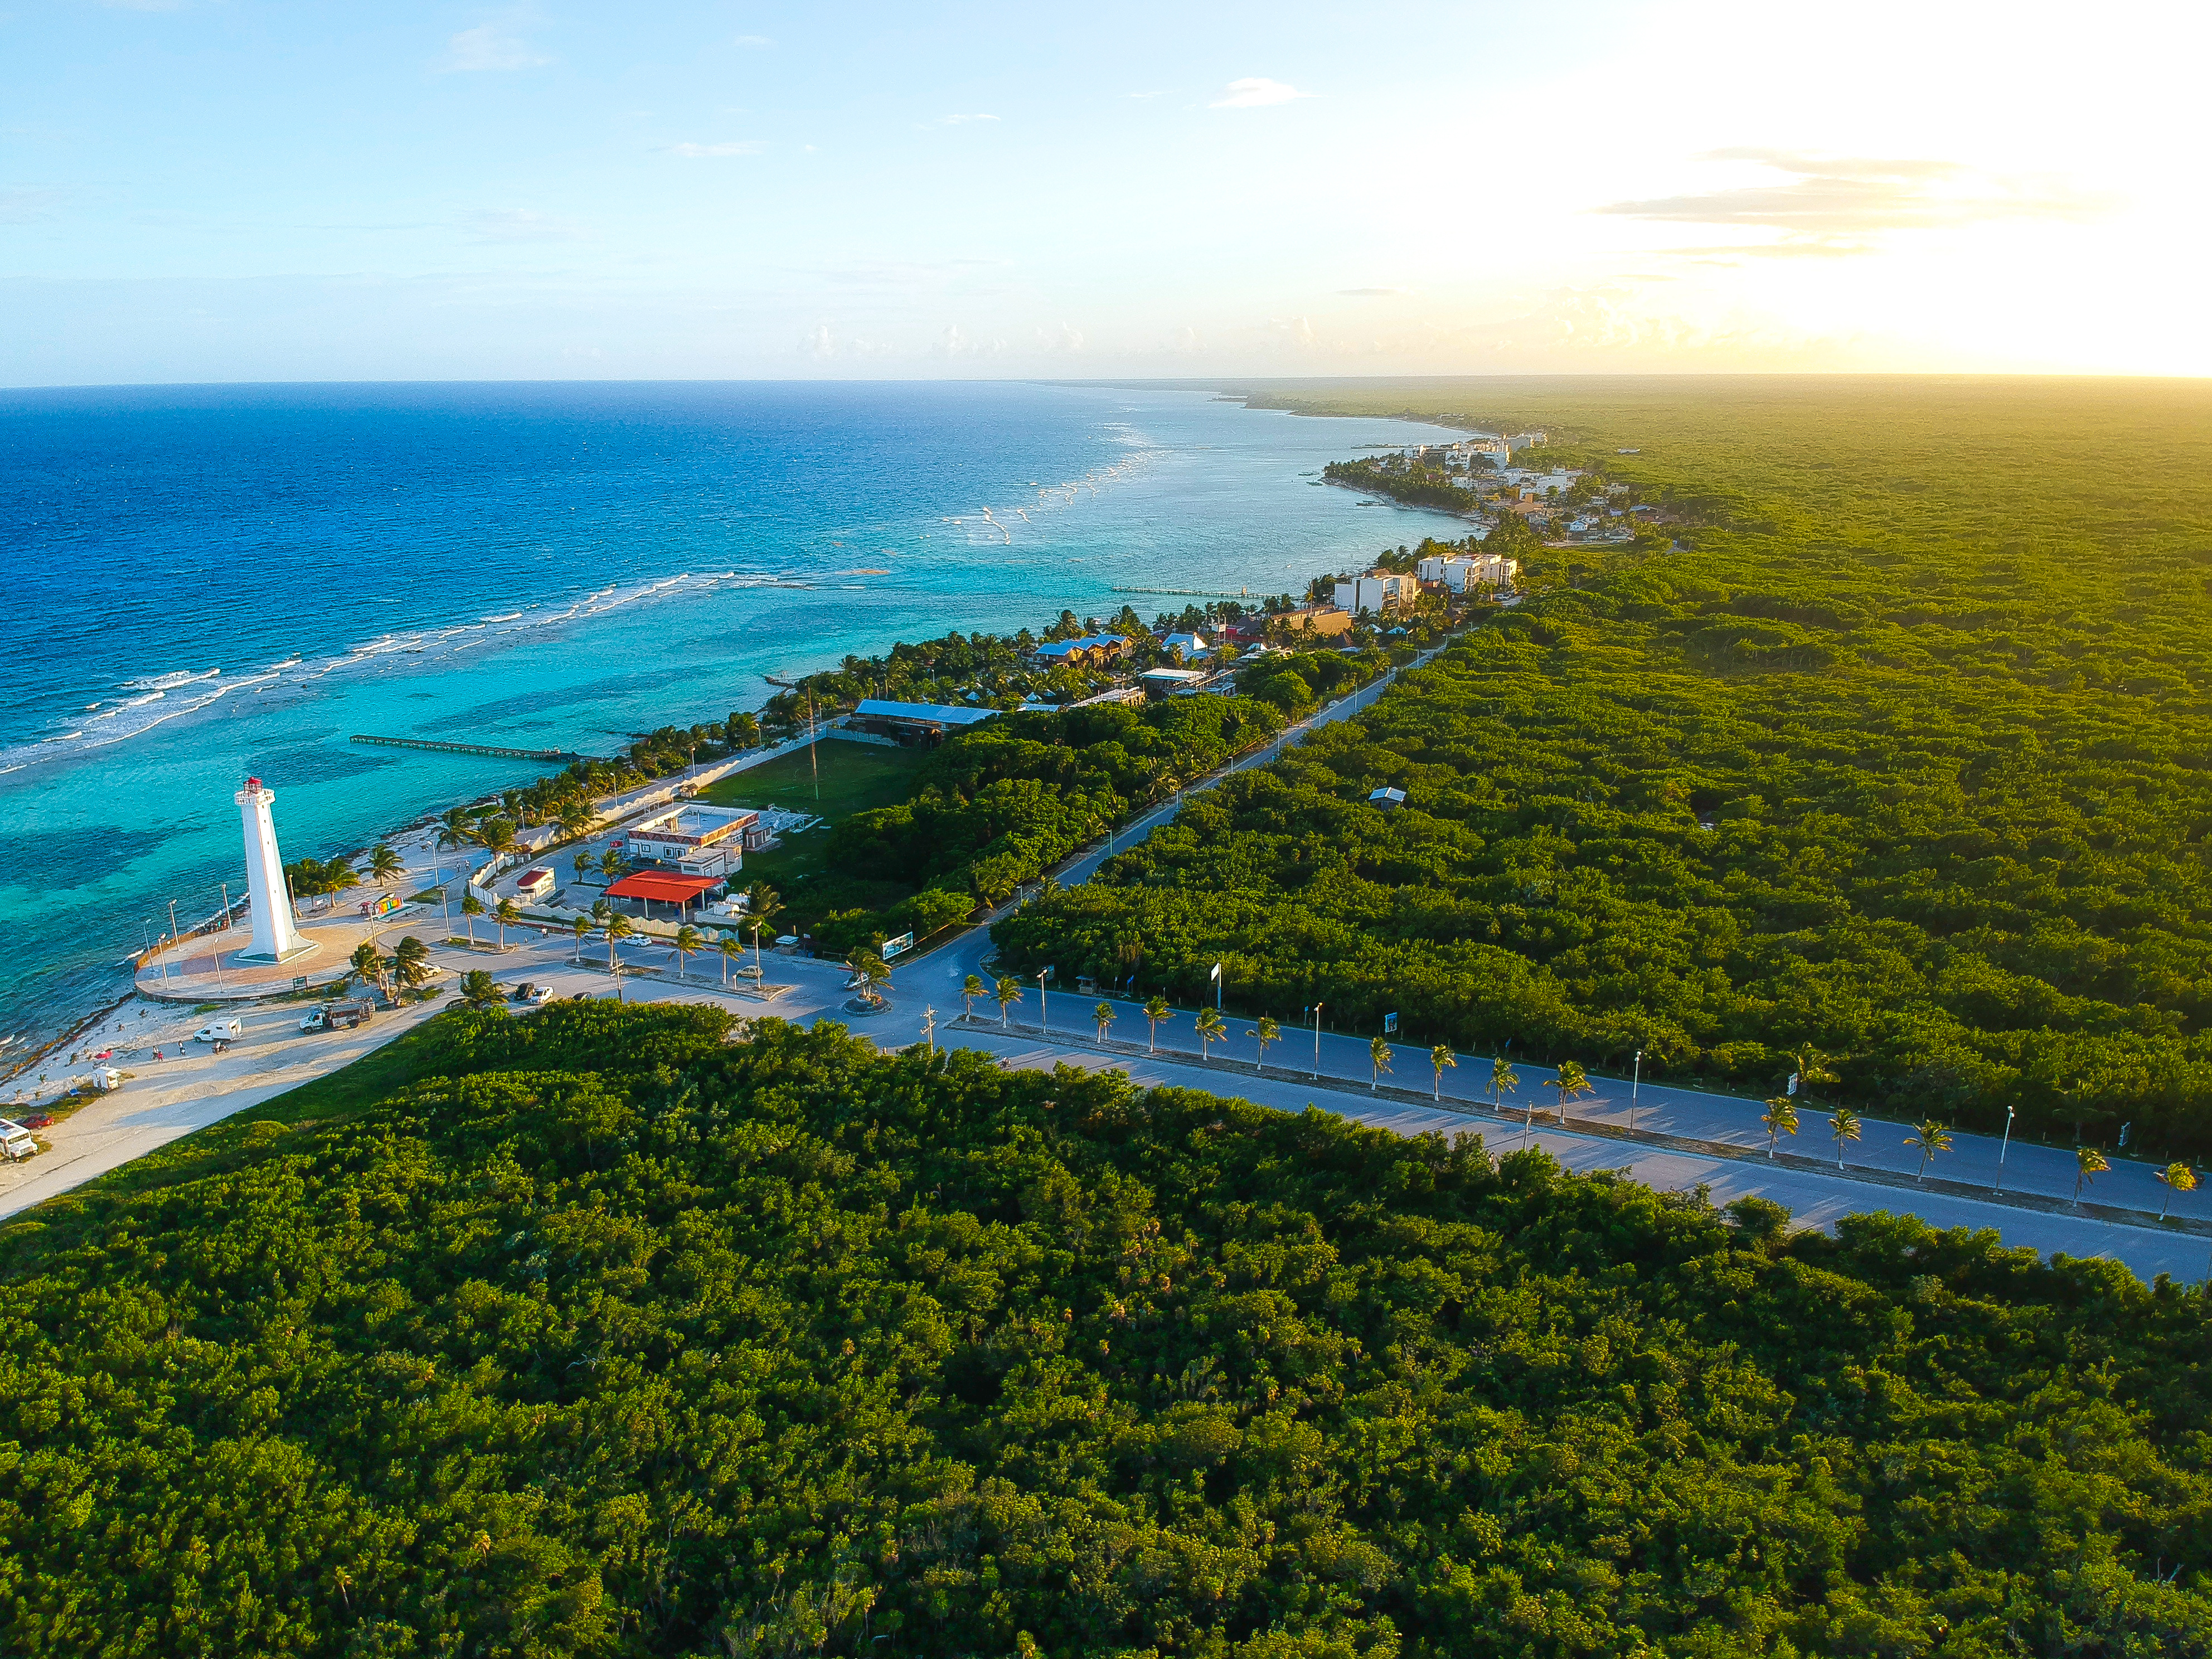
(457, 828)
(1210, 1029)
(1843, 1125)
(581, 927)
(1158, 1012)
(970, 989)
(1007, 992)
(582, 862)
(368, 963)
(1440, 1057)
(1503, 1081)
(1932, 1138)
(733, 948)
(2089, 1163)
(410, 960)
(2179, 1178)
(1780, 1118)
(1103, 1017)
(1572, 1082)
(383, 863)
(576, 819)
(688, 941)
(479, 988)
(1265, 1030)
(611, 864)
(616, 926)
(764, 902)
(1813, 1066)
(496, 837)
(871, 970)
(506, 915)
(1378, 1062)
(473, 907)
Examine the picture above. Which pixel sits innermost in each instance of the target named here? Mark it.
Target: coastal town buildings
(1375, 591)
(692, 839)
(914, 722)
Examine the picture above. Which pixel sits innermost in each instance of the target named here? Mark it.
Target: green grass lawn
(855, 776)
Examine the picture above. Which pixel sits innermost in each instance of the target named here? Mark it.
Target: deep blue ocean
(206, 582)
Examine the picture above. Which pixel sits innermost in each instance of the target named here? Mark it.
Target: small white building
(1192, 646)
(1162, 683)
(700, 841)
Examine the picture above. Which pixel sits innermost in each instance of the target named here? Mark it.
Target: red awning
(652, 885)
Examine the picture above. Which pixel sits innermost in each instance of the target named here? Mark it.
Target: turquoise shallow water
(216, 581)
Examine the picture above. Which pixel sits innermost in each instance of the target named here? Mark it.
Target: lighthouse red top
(252, 786)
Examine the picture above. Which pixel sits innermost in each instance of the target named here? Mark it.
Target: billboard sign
(897, 947)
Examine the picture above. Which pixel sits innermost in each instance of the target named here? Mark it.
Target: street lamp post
(1635, 1084)
(1317, 1014)
(1044, 1022)
(2003, 1147)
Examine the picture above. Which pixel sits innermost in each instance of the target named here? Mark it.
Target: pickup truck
(339, 1017)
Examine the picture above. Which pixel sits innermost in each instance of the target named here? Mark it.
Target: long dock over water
(560, 757)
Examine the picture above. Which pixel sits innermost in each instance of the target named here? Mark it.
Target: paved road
(174, 1098)
(1692, 1114)
(171, 1100)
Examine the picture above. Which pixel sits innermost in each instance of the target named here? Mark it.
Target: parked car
(16, 1140)
(539, 995)
(217, 1031)
(521, 992)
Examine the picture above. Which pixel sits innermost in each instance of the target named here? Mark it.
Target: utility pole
(2003, 1147)
(1317, 1014)
(1635, 1084)
(813, 736)
(929, 1030)
(1043, 1023)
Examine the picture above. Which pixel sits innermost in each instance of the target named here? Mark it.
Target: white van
(220, 1030)
(16, 1140)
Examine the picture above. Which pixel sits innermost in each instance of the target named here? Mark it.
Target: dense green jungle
(1895, 743)
(617, 1331)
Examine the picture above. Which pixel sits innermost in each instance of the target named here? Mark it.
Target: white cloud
(1828, 205)
(739, 146)
(520, 225)
(1255, 92)
(492, 45)
(956, 342)
(1064, 339)
(755, 41)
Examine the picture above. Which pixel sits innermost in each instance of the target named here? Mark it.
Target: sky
(227, 190)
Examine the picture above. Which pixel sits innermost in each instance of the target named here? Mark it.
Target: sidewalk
(1521, 1118)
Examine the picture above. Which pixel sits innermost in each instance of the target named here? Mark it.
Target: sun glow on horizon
(1653, 187)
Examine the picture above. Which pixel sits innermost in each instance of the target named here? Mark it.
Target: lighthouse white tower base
(275, 937)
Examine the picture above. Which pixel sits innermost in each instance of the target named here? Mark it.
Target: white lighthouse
(275, 937)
